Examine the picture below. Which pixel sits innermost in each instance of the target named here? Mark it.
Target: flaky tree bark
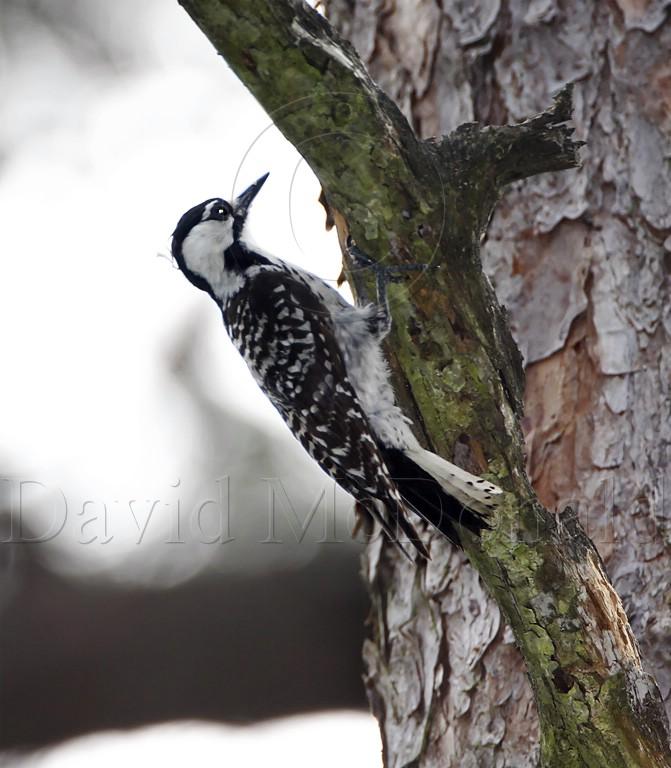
(458, 374)
(582, 262)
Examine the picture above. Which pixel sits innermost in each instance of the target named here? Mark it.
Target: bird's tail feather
(441, 492)
(475, 493)
(397, 527)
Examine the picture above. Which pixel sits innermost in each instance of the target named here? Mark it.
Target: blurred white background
(108, 139)
(330, 741)
(122, 402)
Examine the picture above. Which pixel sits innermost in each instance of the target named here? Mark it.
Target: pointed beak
(244, 200)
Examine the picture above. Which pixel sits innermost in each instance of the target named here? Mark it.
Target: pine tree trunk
(582, 263)
(436, 642)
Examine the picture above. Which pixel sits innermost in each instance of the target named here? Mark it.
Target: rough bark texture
(582, 263)
(459, 374)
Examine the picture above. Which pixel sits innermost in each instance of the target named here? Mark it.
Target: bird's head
(206, 231)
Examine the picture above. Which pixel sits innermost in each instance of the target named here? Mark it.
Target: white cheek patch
(203, 249)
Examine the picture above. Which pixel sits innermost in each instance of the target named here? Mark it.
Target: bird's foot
(387, 273)
(384, 274)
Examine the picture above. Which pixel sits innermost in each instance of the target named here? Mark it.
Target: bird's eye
(220, 211)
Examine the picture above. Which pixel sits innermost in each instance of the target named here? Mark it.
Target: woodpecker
(320, 362)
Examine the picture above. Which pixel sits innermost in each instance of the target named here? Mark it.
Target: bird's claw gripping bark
(384, 274)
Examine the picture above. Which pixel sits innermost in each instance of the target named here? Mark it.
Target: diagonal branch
(458, 373)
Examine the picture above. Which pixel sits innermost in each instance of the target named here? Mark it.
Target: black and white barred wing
(285, 334)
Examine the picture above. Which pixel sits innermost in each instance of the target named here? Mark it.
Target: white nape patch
(203, 250)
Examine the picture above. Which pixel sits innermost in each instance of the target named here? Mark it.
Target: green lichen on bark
(457, 370)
